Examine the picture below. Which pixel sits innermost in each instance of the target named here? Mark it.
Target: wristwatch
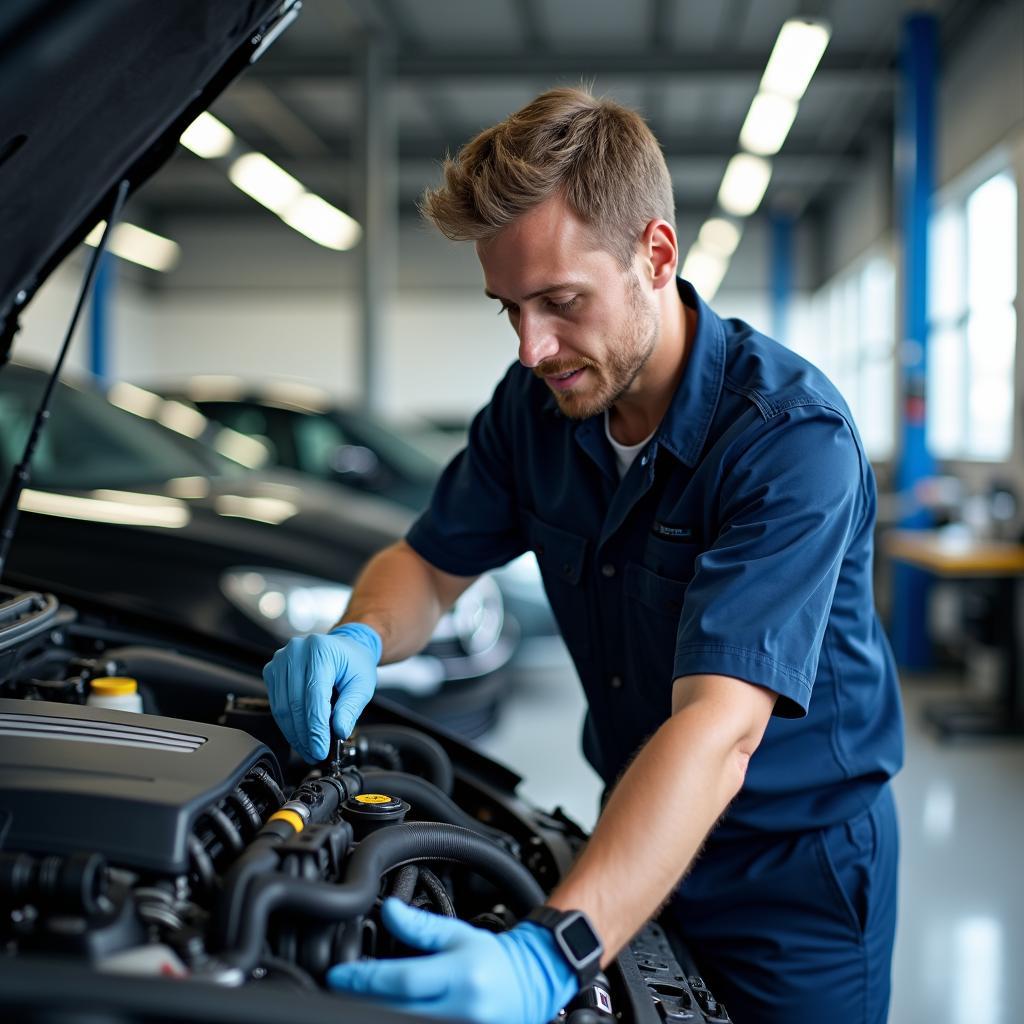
(575, 938)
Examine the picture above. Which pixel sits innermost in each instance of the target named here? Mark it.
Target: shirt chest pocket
(562, 556)
(652, 607)
(672, 560)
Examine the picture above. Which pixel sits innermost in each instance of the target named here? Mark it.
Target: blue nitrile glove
(302, 676)
(517, 977)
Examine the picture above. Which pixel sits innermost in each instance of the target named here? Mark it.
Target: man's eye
(508, 307)
(563, 307)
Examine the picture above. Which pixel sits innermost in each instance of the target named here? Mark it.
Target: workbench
(960, 557)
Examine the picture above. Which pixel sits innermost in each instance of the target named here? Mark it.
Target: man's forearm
(655, 822)
(402, 597)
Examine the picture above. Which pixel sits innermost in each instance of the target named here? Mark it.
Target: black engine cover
(126, 785)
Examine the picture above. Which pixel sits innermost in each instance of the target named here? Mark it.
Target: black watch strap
(575, 938)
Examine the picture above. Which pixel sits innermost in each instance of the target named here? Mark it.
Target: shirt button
(644, 459)
(566, 569)
(608, 570)
(615, 682)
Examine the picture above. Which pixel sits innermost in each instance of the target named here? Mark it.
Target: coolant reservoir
(119, 693)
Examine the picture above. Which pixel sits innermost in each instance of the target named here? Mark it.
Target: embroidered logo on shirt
(670, 532)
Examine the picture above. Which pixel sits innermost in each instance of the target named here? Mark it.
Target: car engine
(180, 863)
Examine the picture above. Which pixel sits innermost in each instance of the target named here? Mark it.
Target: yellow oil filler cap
(119, 693)
(114, 686)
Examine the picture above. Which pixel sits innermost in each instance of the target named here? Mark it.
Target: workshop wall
(263, 301)
(980, 130)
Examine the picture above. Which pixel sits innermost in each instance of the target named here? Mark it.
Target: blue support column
(99, 318)
(781, 274)
(915, 176)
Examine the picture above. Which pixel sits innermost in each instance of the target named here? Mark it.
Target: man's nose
(537, 341)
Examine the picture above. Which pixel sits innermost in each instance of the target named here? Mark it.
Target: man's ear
(659, 253)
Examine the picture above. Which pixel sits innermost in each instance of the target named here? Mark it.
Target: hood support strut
(22, 473)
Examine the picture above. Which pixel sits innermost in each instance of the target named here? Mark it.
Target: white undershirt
(624, 453)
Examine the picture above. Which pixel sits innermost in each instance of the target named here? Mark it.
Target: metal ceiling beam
(159, 213)
(856, 69)
(431, 149)
(383, 19)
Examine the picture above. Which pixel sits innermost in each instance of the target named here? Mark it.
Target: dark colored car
(122, 505)
(303, 428)
(175, 862)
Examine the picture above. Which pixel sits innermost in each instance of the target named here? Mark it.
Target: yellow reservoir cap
(373, 798)
(114, 686)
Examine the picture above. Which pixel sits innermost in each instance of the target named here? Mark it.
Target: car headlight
(475, 620)
(289, 604)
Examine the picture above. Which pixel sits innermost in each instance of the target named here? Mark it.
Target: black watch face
(579, 938)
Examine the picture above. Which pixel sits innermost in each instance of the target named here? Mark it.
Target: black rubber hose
(202, 864)
(438, 894)
(379, 853)
(260, 774)
(404, 885)
(247, 809)
(425, 748)
(429, 802)
(382, 755)
(258, 859)
(224, 829)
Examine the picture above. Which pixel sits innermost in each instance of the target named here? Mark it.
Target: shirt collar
(685, 426)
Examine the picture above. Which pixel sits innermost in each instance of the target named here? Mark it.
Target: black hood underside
(94, 93)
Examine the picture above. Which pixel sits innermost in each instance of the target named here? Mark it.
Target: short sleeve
(472, 524)
(759, 601)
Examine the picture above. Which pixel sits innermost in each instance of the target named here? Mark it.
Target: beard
(622, 364)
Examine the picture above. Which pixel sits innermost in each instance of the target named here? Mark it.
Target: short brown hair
(600, 155)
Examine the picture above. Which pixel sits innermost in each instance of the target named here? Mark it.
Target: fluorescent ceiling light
(207, 137)
(795, 57)
(259, 177)
(704, 270)
(325, 224)
(137, 245)
(719, 236)
(744, 184)
(768, 122)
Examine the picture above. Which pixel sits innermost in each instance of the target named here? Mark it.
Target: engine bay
(165, 856)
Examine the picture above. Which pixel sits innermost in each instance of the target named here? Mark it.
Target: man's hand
(302, 676)
(517, 977)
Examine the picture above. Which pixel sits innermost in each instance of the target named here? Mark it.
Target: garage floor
(961, 925)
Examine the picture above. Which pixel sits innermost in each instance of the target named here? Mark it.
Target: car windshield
(89, 442)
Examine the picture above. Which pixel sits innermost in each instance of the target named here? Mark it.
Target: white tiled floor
(960, 941)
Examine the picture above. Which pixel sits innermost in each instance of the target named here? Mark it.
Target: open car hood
(97, 93)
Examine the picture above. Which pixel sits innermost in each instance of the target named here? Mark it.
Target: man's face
(585, 325)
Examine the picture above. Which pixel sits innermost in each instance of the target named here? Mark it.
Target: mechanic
(702, 510)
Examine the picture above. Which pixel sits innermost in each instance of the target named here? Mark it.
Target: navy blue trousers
(797, 929)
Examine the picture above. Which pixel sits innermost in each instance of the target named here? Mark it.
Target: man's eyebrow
(540, 291)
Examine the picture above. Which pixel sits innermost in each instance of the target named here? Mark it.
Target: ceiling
(690, 66)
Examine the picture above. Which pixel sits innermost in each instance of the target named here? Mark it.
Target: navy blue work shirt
(738, 543)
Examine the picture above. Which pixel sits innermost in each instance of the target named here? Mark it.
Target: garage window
(973, 324)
